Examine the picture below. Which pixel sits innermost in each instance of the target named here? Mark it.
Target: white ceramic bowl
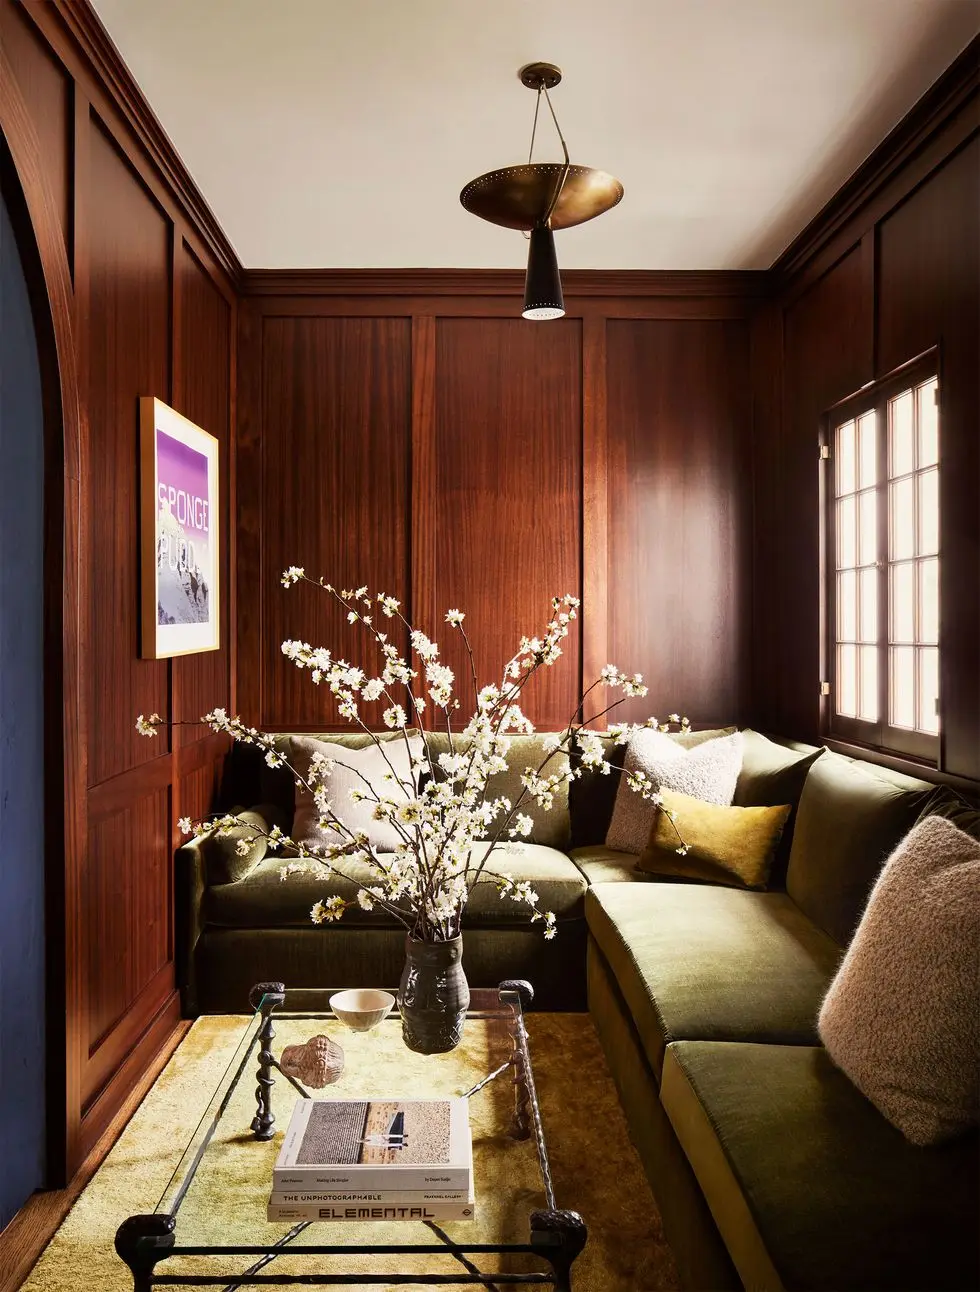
(362, 1008)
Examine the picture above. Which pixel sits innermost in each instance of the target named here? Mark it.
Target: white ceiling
(338, 133)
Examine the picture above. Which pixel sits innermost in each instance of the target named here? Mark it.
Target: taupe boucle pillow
(706, 772)
(902, 1016)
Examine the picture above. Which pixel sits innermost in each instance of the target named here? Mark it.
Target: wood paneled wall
(889, 271)
(420, 437)
(654, 453)
(151, 311)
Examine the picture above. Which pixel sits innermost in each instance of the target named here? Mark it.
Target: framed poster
(180, 534)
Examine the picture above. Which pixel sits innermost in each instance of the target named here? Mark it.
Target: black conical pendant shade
(542, 287)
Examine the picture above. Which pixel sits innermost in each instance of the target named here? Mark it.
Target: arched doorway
(33, 227)
(22, 959)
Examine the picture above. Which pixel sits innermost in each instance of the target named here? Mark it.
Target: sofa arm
(190, 882)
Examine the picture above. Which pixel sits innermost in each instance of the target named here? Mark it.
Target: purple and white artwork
(183, 533)
(180, 533)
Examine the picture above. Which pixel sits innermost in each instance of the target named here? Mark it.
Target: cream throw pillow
(706, 772)
(902, 1016)
(354, 769)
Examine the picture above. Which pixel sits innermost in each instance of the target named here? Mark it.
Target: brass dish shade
(518, 197)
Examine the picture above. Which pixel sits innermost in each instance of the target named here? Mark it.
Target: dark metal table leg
(269, 994)
(559, 1237)
(522, 1098)
(142, 1241)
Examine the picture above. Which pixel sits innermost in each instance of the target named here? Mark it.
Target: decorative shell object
(317, 1063)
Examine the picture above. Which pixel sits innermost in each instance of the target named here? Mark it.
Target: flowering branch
(442, 806)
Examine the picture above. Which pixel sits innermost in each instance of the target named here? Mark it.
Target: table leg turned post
(265, 995)
(142, 1241)
(559, 1237)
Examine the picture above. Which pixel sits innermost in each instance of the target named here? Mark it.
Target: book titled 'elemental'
(380, 1144)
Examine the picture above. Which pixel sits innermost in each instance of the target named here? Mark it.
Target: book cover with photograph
(378, 1144)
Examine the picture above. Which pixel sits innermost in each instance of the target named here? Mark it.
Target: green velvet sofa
(232, 935)
(770, 1169)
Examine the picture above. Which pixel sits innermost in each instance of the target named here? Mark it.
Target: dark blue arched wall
(22, 1065)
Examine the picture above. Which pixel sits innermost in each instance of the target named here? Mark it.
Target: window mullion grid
(884, 601)
(916, 566)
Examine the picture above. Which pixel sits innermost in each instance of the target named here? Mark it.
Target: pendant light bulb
(543, 297)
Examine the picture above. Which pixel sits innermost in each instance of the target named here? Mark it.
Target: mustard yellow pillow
(725, 845)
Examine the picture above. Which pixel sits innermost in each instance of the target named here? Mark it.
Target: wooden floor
(25, 1238)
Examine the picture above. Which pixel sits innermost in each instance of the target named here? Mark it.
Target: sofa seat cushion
(263, 900)
(809, 1185)
(695, 962)
(602, 865)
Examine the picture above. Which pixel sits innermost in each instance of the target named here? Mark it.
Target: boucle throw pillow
(592, 795)
(354, 769)
(901, 1018)
(708, 771)
(724, 845)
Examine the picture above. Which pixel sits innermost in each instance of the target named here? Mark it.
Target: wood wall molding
(617, 284)
(525, 462)
(957, 89)
(889, 270)
(79, 19)
(138, 304)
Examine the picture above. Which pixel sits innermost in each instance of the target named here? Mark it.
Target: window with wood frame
(882, 458)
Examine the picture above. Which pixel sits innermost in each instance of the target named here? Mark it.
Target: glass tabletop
(219, 1192)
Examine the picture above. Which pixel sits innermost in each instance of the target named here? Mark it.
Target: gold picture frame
(180, 534)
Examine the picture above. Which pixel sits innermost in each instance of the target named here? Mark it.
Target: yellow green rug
(595, 1168)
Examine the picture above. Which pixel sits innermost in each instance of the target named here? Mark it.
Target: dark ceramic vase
(433, 995)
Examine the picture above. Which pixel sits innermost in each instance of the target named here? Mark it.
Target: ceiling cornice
(86, 29)
(954, 90)
(501, 282)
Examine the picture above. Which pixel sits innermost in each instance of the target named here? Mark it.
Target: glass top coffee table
(210, 1228)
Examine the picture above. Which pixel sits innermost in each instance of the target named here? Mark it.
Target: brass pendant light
(538, 198)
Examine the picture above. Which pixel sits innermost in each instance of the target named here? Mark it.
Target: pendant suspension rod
(534, 127)
(564, 147)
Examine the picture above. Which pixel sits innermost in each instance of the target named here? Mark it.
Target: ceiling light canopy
(538, 198)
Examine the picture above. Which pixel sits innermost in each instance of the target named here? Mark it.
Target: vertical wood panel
(677, 428)
(595, 512)
(929, 294)
(828, 355)
(249, 514)
(128, 909)
(336, 436)
(508, 501)
(423, 501)
(47, 91)
(765, 652)
(129, 349)
(202, 393)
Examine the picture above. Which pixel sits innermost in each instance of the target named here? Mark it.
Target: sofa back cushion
(963, 813)
(851, 815)
(551, 825)
(592, 797)
(773, 775)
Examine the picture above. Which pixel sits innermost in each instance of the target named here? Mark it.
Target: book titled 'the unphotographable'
(463, 1209)
(379, 1145)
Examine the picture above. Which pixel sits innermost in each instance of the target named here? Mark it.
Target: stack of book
(379, 1159)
